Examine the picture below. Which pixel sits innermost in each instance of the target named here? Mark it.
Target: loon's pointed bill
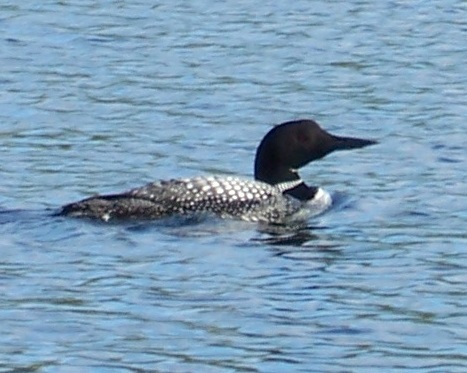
(277, 195)
(347, 143)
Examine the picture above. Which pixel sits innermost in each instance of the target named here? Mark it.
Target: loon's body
(277, 194)
(227, 197)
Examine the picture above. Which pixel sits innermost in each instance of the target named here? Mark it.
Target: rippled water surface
(105, 96)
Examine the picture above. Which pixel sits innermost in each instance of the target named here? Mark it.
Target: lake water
(99, 97)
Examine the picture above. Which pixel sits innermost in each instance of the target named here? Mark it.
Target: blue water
(102, 97)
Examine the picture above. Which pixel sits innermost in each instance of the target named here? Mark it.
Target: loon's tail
(113, 206)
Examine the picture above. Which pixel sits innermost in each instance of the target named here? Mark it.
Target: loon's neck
(270, 172)
(302, 192)
(296, 187)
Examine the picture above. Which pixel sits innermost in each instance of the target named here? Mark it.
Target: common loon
(277, 194)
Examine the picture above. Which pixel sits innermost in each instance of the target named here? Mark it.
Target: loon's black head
(292, 145)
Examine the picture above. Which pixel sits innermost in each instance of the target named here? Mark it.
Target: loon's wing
(224, 196)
